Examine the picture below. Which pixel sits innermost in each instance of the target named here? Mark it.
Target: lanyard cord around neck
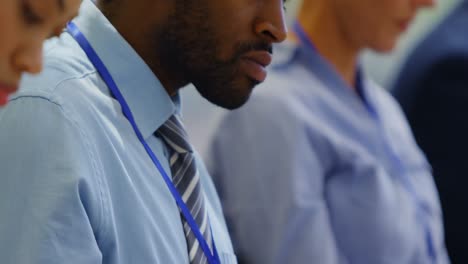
(107, 77)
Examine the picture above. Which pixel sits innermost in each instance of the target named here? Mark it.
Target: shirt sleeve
(49, 200)
(266, 165)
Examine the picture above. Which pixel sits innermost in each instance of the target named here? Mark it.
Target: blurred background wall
(201, 117)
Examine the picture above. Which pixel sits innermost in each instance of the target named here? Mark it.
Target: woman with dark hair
(24, 26)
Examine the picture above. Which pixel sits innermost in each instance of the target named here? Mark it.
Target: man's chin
(230, 98)
(230, 103)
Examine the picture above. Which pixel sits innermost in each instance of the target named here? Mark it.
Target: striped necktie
(186, 179)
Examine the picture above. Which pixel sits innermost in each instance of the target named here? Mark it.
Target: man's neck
(332, 43)
(137, 30)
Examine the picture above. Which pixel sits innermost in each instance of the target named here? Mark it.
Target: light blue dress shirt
(310, 172)
(76, 184)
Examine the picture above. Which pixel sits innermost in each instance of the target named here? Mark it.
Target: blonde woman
(321, 167)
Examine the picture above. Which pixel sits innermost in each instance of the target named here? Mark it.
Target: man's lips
(255, 63)
(263, 58)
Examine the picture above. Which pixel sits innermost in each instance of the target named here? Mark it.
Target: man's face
(377, 24)
(222, 47)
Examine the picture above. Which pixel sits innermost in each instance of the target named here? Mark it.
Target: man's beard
(188, 49)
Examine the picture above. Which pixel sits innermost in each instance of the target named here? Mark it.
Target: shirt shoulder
(56, 102)
(64, 64)
(70, 81)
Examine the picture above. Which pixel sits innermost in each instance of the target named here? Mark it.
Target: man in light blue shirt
(76, 183)
(320, 166)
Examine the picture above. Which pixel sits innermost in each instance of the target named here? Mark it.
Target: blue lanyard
(106, 76)
(421, 206)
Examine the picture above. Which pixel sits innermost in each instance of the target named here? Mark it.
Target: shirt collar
(291, 53)
(148, 100)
